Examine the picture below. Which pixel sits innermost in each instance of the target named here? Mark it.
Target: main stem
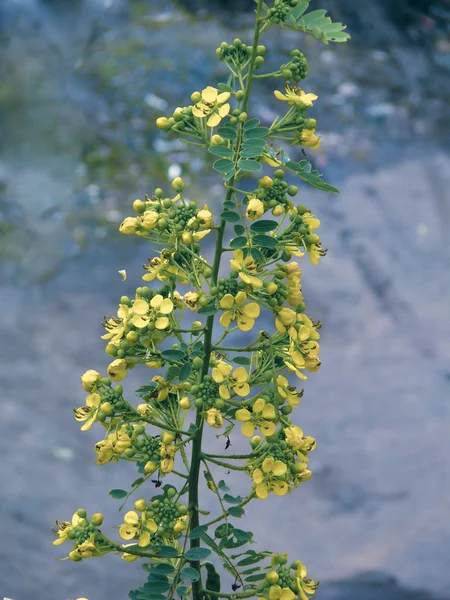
(194, 471)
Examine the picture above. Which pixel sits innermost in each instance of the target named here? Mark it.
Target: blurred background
(81, 84)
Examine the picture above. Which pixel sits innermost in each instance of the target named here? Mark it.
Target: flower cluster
(215, 351)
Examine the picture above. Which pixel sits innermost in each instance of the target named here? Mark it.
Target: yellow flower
(88, 549)
(214, 418)
(255, 209)
(89, 411)
(63, 529)
(191, 300)
(237, 381)
(89, 379)
(278, 593)
(212, 103)
(244, 315)
(296, 96)
(167, 453)
(129, 226)
(112, 447)
(149, 219)
(286, 317)
(261, 416)
(203, 218)
(288, 392)
(117, 370)
(267, 479)
(245, 266)
(294, 437)
(137, 527)
(306, 586)
(308, 138)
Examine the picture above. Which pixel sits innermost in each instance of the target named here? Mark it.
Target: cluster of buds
(87, 539)
(297, 68)
(287, 583)
(280, 10)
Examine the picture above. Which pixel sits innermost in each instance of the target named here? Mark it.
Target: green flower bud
(97, 519)
(196, 97)
(81, 513)
(139, 206)
(279, 174)
(178, 184)
(261, 50)
(240, 94)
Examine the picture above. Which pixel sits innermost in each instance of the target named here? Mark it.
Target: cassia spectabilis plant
(201, 380)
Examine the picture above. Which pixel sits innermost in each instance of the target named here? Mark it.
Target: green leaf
(259, 577)
(185, 371)
(223, 530)
(223, 165)
(241, 535)
(252, 558)
(247, 164)
(229, 204)
(241, 360)
(229, 216)
(251, 124)
(257, 132)
(197, 553)
(321, 27)
(165, 551)
(182, 590)
(303, 170)
(250, 571)
(137, 482)
(257, 255)
(118, 494)
(207, 310)
(163, 568)
(238, 242)
(239, 229)
(225, 88)
(263, 226)
(172, 373)
(197, 532)
(233, 499)
(223, 486)
(190, 573)
(156, 587)
(297, 12)
(251, 152)
(227, 132)
(265, 241)
(173, 354)
(229, 175)
(236, 511)
(221, 151)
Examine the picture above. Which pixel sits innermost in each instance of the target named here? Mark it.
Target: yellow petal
(166, 306)
(88, 424)
(213, 120)
(224, 368)
(251, 310)
(162, 323)
(280, 488)
(127, 532)
(226, 319)
(209, 95)
(248, 429)
(224, 392)
(224, 110)
(131, 518)
(227, 301)
(245, 323)
(257, 476)
(240, 374)
(303, 333)
(93, 400)
(151, 525)
(243, 414)
(269, 411)
(123, 273)
(279, 468)
(140, 306)
(217, 375)
(259, 405)
(287, 594)
(274, 592)
(242, 389)
(140, 320)
(280, 96)
(241, 297)
(268, 428)
(268, 464)
(262, 491)
(223, 97)
(144, 539)
(198, 112)
(156, 301)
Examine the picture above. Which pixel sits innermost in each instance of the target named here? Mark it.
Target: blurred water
(81, 85)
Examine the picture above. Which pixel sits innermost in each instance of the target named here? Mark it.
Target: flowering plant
(198, 380)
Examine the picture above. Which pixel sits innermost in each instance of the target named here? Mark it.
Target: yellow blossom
(246, 267)
(212, 103)
(296, 96)
(286, 317)
(137, 527)
(269, 478)
(117, 370)
(306, 586)
(167, 452)
(214, 417)
(149, 219)
(276, 592)
(245, 315)
(64, 527)
(236, 381)
(89, 411)
(255, 209)
(112, 447)
(191, 300)
(308, 138)
(129, 226)
(261, 416)
(288, 392)
(294, 437)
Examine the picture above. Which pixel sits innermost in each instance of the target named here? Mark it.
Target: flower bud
(107, 408)
(266, 182)
(179, 526)
(277, 210)
(255, 209)
(150, 467)
(272, 577)
(255, 441)
(140, 505)
(74, 556)
(117, 370)
(178, 184)
(139, 206)
(187, 238)
(184, 403)
(89, 379)
(271, 288)
(167, 437)
(97, 519)
(196, 97)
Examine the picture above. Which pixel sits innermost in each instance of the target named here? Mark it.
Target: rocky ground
(373, 521)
